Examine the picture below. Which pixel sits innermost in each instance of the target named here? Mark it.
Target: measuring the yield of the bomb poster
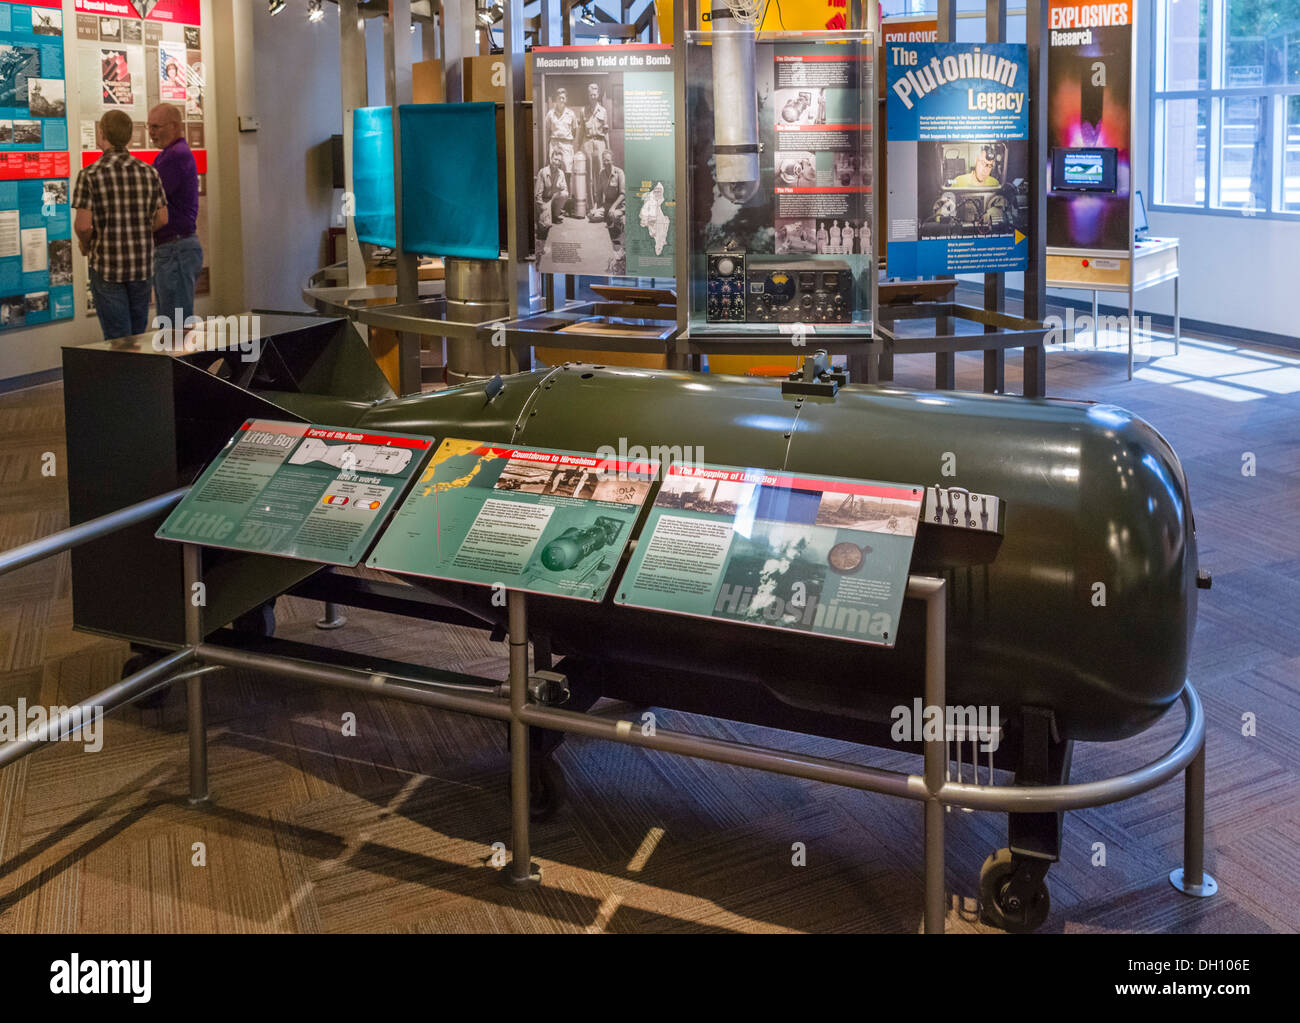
(957, 124)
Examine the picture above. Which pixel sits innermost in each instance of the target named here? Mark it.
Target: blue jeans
(176, 267)
(122, 306)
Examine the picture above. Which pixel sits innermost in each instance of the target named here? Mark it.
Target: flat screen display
(1083, 170)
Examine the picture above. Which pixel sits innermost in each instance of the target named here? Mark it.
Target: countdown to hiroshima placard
(539, 520)
(777, 549)
(318, 493)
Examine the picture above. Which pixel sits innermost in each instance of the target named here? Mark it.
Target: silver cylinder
(477, 290)
(735, 107)
(580, 184)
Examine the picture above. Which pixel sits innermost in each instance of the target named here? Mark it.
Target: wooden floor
(393, 829)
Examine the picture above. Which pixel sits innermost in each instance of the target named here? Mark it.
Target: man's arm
(160, 203)
(84, 228)
(160, 218)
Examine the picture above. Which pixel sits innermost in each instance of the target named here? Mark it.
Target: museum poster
(35, 217)
(319, 493)
(957, 123)
(1089, 72)
(538, 520)
(768, 548)
(603, 192)
(815, 169)
(131, 56)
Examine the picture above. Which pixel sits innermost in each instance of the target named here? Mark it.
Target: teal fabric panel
(372, 175)
(449, 180)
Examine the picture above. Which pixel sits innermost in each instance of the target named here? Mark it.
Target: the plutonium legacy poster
(958, 131)
(603, 193)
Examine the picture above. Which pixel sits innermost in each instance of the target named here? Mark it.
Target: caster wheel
(546, 790)
(260, 621)
(138, 662)
(1004, 908)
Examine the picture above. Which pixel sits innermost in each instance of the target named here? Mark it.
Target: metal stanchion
(1191, 878)
(936, 756)
(332, 618)
(196, 713)
(522, 872)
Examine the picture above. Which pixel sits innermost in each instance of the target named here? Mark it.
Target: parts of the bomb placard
(814, 554)
(603, 191)
(958, 138)
(537, 520)
(316, 493)
(1089, 75)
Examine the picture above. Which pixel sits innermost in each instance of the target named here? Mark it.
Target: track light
(274, 7)
(489, 14)
(586, 17)
(315, 10)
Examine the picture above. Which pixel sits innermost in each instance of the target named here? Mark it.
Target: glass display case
(780, 172)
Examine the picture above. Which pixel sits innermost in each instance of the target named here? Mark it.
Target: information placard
(958, 148)
(539, 520)
(814, 554)
(297, 490)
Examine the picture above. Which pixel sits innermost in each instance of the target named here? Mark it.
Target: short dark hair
(117, 128)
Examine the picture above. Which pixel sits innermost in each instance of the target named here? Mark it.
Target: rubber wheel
(546, 790)
(138, 662)
(995, 879)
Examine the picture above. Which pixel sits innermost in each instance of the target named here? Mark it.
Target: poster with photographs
(958, 126)
(809, 192)
(816, 554)
(132, 56)
(33, 103)
(603, 188)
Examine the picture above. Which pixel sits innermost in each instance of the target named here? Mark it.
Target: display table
(1153, 261)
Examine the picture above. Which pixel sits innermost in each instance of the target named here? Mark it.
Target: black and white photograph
(37, 302)
(717, 497)
(796, 236)
(525, 476)
(45, 97)
(796, 169)
(27, 133)
(110, 30)
(191, 37)
(6, 132)
(60, 255)
(840, 236)
(132, 31)
(18, 64)
(54, 192)
(46, 21)
(801, 106)
(872, 514)
(580, 187)
(13, 311)
(783, 569)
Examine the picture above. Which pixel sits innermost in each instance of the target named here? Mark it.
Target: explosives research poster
(539, 520)
(605, 113)
(317, 493)
(813, 554)
(958, 138)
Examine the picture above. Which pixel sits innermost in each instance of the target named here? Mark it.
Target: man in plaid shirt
(120, 203)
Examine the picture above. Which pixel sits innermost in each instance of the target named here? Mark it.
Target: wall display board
(957, 121)
(604, 194)
(1089, 125)
(781, 204)
(537, 520)
(317, 493)
(809, 553)
(132, 55)
(35, 218)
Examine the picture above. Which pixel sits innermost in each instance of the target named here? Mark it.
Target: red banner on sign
(147, 155)
(26, 166)
(40, 3)
(182, 12)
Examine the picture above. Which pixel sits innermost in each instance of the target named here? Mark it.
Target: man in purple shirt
(178, 256)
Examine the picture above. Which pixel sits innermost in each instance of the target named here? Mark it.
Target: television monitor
(1083, 170)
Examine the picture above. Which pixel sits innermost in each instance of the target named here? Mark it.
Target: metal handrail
(92, 529)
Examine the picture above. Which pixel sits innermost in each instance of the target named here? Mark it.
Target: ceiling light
(315, 10)
(274, 7)
(489, 14)
(586, 17)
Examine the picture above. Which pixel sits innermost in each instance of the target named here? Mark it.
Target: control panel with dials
(776, 289)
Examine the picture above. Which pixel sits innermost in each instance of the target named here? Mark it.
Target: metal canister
(579, 189)
(477, 290)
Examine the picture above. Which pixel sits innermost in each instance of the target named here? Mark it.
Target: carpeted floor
(393, 829)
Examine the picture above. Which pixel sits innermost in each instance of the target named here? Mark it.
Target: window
(1225, 118)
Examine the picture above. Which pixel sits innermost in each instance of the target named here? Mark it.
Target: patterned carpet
(393, 829)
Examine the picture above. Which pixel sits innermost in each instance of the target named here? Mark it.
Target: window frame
(1215, 95)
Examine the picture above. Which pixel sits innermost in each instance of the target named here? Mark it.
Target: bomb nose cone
(560, 554)
(738, 191)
